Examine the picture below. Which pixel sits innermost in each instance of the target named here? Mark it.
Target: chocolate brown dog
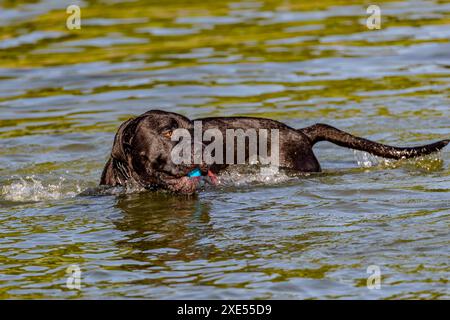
(141, 153)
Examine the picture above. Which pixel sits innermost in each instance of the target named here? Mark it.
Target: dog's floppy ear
(111, 173)
(121, 143)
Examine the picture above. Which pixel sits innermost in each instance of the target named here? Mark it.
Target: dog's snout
(198, 148)
(204, 168)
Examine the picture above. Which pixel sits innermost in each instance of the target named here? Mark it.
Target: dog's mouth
(183, 185)
(187, 184)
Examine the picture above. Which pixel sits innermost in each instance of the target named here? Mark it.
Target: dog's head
(142, 152)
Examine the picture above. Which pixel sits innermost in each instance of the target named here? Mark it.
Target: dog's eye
(168, 134)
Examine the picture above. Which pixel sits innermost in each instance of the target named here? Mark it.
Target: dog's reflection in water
(161, 227)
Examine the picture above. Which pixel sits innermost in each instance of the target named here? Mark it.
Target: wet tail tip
(441, 144)
(445, 142)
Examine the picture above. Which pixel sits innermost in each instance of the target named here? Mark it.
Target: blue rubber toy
(194, 173)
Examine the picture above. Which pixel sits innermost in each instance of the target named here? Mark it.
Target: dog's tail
(324, 132)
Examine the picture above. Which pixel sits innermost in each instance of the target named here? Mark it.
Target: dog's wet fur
(141, 152)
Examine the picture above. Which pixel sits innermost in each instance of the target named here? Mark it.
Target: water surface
(63, 94)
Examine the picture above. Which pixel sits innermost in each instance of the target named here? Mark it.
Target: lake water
(63, 93)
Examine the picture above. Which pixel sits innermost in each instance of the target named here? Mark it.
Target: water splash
(241, 176)
(366, 160)
(429, 162)
(31, 188)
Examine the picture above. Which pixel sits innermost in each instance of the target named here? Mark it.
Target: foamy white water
(237, 176)
(429, 162)
(365, 160)
(30, 188)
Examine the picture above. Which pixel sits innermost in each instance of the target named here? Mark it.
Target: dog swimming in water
(142, 149)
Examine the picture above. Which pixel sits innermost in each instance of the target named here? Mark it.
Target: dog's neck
(122, 170)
